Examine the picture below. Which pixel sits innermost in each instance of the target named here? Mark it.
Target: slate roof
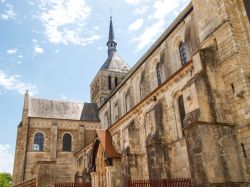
(115, 63)
(106, 142)
(56, 109)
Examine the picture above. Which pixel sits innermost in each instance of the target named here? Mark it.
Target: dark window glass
(116, 81)
(158, 73)
(181, 111)
(247, 7)
(110, 82)
(243, 150)
(67, 142)
(38, 142)
(182, 53)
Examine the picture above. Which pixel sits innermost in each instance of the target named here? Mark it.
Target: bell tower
(110, 74)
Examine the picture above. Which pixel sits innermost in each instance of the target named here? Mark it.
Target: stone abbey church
(182, 111)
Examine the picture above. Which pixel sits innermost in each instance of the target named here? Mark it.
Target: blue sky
(54, 48)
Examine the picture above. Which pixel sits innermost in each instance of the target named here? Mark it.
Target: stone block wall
(214, 155)
(82, 133)
(230, 90)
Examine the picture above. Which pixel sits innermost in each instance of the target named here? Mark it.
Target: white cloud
(57, 51)
(164, 7)
(161, 10)
(12, 51)
(136, 25)
(39, 50)
(65, 20)
(8, 13)
(149, 34)
(140, 10)
(100, 48)
(63, 97)
(13, 83)
(133, 2)
(6, 158)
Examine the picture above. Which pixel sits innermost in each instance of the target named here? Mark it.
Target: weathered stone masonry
(182, 111)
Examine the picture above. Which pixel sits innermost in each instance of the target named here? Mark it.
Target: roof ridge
(60, 100)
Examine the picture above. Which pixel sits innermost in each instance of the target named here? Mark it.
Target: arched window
(106, 119)
(116, 81)
(38, 142)
(127, 101)
(67, 141)
(182, 53)
(116, 111)
(247, 7)
(182, 112)
(142, 85)
(102, 100)
(109, 82)
(158, 73)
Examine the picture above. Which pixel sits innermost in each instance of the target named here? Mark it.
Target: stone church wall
(179, 121)
(162, 145)
(215, 82)
(82, 134)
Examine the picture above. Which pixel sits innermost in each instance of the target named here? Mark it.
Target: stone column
(108, 175)
(81, 136)
(95, 179)
(114, 174)
(53, 144)
(46, 171)
(21, 145)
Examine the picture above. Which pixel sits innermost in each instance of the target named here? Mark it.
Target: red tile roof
(106, 142)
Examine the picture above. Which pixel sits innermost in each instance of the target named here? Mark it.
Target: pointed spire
(111, 31)
(114, 62)
(111, 41)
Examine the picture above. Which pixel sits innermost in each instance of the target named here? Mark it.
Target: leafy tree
(5, 180)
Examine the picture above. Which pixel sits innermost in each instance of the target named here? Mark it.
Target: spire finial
(110, 13)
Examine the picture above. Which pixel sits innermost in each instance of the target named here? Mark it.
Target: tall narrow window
(102, 100)
(142, 85)
(106, 119)
(38, 142)
(116, 112)
(109, 82)
(182, 53)
(158, 73)
(247, 7)
(67, 141)
(116, 81)
(243, 150)
(127, 101)
(182, 112)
